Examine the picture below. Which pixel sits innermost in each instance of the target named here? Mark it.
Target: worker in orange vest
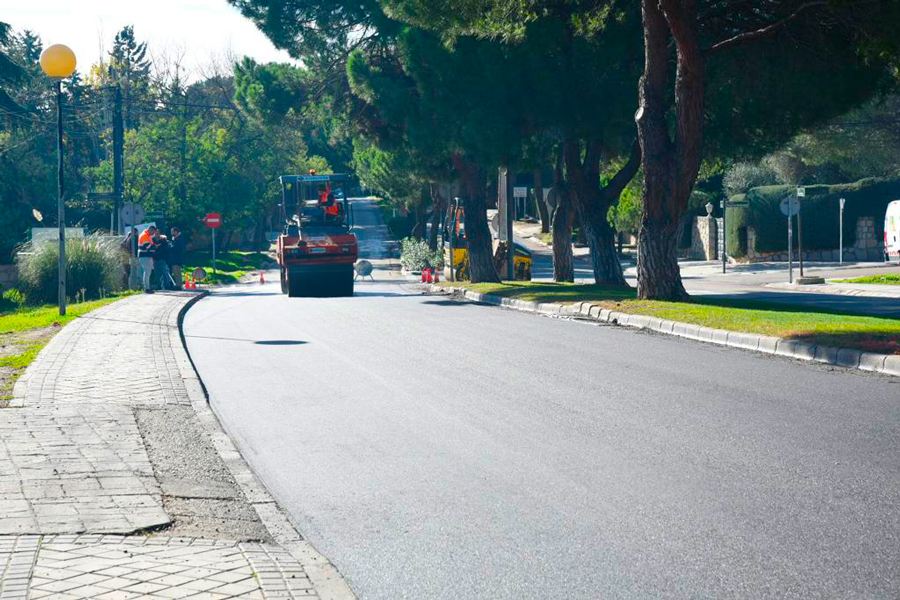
(146, 252)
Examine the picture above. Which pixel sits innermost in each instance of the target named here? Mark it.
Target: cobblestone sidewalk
(82, 511)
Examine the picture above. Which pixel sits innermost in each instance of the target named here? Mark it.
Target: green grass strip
(886, 279)
(32, 318)
(872, 334)
(230, 266)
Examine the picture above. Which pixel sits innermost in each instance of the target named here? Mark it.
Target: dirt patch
(17, 344)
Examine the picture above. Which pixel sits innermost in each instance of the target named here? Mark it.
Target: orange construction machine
(316, 250)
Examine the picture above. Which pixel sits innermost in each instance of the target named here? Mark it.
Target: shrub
(11, 299)
(415, 255)
(94, 267)
(865, 198)
(741, 177)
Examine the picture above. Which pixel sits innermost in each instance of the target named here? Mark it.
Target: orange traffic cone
(262, 278)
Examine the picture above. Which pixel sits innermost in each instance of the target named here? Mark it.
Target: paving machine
(316, 250)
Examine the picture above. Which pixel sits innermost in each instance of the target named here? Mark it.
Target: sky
(201, 29)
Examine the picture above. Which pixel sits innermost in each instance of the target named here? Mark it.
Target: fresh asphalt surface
(434, 449)
(441, 449)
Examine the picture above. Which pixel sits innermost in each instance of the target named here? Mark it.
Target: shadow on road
(455, 303)
(259, 342)
(239, 294)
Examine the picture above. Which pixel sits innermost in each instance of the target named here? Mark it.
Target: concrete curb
(839, 357)
(328, 582)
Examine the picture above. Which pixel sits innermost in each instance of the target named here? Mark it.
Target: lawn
(230, 266)
(24, 332)
(886, 279)
(872, 334)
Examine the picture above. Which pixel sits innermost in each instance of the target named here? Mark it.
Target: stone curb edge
(839, 357)
(328, 582)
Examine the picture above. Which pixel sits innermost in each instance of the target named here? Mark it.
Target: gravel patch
(198, 490)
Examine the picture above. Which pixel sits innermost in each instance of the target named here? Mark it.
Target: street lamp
(58, 62)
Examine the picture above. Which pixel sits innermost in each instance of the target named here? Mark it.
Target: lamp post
(58, 62)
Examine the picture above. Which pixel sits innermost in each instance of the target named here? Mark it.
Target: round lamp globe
(58, 61)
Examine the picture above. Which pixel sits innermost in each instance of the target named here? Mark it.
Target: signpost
(724, 205)
(790, 206)
(520, 192)
(801, 193)
(213, 220)
(841, 234)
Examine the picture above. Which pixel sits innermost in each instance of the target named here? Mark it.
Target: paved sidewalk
(844, 289)
(93, 494)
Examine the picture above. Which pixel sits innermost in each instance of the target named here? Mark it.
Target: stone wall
(866, 248)
(704, 239)
(9, 275)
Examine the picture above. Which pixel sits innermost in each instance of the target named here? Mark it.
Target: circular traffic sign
(790, 206)
(213, 220)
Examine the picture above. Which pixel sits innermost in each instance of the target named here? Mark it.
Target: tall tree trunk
(539, 200)
(438, 208)
(478, 236)
(581, 238)
(601, 238)
(420, 215)
(563, 219)
(670, 166)
(593, 204)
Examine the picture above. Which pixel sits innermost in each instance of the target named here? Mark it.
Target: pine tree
(129, 67)
(11, 73)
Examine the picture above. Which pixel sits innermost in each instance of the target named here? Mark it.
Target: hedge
(821, 206)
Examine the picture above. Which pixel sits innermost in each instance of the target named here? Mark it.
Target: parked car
(892, 232)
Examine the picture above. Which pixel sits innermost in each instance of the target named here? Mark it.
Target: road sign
(132, 214)
(801, 192)
(790, 206)
(520, 192)
(213, 220)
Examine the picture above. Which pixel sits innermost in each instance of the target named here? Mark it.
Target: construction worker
(146, 252)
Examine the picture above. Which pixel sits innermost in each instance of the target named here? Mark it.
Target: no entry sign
(213, 220)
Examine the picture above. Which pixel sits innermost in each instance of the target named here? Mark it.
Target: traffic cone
(262, 278)
(437, 278)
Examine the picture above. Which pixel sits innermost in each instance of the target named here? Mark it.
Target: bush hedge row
(820, 209)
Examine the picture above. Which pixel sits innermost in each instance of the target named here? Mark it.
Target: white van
(892, 232)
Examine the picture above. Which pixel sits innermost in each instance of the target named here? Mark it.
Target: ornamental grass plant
(95, 268)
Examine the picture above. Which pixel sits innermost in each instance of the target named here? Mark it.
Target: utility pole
(61, 204)
(510, 217)
(841, 230)
(800, 241)
(182, 186)
(118, 158)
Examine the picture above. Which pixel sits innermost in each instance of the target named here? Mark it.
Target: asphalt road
(440, 449)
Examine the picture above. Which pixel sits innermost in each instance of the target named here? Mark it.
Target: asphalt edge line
(327, 581)
(886, 364)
